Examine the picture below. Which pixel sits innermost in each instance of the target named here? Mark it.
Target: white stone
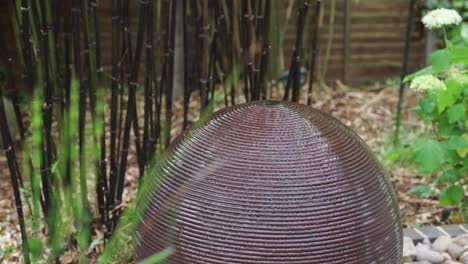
(409, 250)
(446, 256)
(441, 244)
(462, 240)
(423, 252)
(455, 250)
(451, 262)
(464, 258)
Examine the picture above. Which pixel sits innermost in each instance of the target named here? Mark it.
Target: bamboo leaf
(158, 257)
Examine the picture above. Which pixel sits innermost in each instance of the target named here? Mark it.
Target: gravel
(444, 250)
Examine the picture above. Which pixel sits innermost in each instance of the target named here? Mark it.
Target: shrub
(443, 154)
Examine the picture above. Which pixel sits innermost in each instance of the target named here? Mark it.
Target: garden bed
(370, 111)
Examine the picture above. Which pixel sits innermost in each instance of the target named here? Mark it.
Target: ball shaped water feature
(270, 182)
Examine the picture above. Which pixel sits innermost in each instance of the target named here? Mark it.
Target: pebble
(409, 250)
(424, 252)
(444, 250)
(462, 240)
(451, 262)
(455, 250)
(441, 244)
(464, 258)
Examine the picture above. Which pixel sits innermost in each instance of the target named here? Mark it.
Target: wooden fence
(368, 40)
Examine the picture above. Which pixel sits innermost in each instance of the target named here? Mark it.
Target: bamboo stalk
(170, 72)
(211, 68)
(294, 68)
(297, 58)
(148, 86)
(265, 51)
(131, 107)
(158, 83)
(331, 27)
(245, 48)
(33, 16)
(313, 56)
(15, 177)
(116, 45)
(48, 106)
(24, 29)
(67, 85)
(186, 88)
(205, 27)
(409, 27)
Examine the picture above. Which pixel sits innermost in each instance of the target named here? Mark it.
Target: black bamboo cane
(265, 51)
(294, 69)
(245, 48)
(170, 73)
(116, 41)
(25, 43)
(401, 91)
(148, 89)
(211, 68)
(48, 106)
(186, 88)
(14, 176)
(313, 56)
(130, 115)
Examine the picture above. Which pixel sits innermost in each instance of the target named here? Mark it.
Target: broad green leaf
(460, 55)
(450, 176)
(429, 154)
(421, 190)
(428, 107)
(440, 60)
(424, 71)
(448, 97)
(454, 87)
(455, 113)
(462, 150)
(464, 32)
(451, 195)
(444, 100)
(457, 142)
(443, 126)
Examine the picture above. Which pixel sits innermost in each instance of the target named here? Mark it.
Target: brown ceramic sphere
(270, 182)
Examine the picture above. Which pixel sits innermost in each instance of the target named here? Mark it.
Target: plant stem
(331, 27)
(401, 91)
(14, 176)
(313, 56)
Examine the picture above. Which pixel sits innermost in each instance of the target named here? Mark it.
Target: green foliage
(421, 190)
(157, 258)
(443, 155)
(451, 195)
(440, 60)
(429, 154)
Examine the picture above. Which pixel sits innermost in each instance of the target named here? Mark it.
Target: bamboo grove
(84, 113)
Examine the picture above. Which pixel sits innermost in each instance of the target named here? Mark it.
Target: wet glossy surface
(269, 182)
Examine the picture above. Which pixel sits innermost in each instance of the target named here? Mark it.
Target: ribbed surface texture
(270, 182)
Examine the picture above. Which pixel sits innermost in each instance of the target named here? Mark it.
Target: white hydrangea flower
(427, 83)
(441, 17)
(458, 75)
